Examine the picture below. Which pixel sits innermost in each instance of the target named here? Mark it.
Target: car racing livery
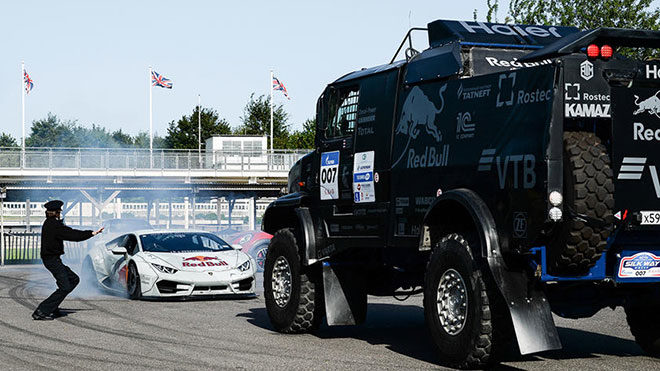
(165, 263)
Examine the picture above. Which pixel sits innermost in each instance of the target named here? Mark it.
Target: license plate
(650, 218)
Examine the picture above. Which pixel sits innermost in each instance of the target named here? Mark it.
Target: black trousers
(66, 279)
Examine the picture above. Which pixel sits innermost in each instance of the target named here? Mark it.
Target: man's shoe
(40, 316)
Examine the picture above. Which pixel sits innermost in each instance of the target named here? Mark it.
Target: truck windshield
(182, 242)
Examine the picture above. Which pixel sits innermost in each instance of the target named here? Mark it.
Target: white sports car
(166, 263)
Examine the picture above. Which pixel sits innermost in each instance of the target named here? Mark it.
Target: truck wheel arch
(465, 208)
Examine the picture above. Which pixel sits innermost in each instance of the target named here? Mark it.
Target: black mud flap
(529, 308)
(344, 289)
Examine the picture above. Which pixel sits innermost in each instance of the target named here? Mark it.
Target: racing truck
(507, 172)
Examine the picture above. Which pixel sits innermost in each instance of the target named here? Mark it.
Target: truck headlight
(164, 269)
(555, 198)
(244, 267)
(555, 214)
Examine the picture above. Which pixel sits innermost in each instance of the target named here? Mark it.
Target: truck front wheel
(456, 305)
(293, 299)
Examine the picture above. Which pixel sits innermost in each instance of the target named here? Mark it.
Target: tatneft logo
(523, 176)
(650, 105)
(632, 168)
(515, 30)
(587, 70)
(517, 97)
(473, 92)
(464, 126)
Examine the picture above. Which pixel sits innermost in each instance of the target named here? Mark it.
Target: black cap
(54, 205)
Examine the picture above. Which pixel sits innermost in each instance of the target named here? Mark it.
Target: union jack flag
(277, 85)
(28, 82)
(160, 80)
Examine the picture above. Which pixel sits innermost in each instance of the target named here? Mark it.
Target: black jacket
(53, 235)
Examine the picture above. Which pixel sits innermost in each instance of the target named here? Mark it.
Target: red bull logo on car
(651, 105)
(203, 261)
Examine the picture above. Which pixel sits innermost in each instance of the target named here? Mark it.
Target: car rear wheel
(642, 319)
(133, 283)
(292, 293)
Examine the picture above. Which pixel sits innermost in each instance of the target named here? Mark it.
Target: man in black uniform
(53, 235)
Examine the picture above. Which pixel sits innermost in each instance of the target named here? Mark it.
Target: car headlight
(164, 269)
(244, 267)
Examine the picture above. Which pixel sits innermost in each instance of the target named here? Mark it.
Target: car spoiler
(573, 43)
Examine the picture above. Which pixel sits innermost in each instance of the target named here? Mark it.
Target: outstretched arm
(69, 234)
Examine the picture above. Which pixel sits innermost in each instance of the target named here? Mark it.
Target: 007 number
(328, 175)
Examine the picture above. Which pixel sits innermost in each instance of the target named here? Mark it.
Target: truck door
(338, 119)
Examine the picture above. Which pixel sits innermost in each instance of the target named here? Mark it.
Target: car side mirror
(119, 250)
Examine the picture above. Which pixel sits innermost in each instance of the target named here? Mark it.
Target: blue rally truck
(507, 172)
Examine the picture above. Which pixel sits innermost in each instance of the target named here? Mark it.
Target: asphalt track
(108, 332)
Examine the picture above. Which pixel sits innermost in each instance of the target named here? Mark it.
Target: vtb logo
(522, 168)
(632, 168)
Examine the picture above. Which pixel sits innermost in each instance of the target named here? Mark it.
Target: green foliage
(52, 132)
(184, 133)
(256, 121)
(7, 140)
(584, 14)
(303, 139)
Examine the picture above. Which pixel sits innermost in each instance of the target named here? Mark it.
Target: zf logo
(632, 169)
(520, 225)
(519, 169)
(464, 126)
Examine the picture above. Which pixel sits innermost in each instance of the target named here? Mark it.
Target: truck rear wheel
(642, 319)
(588, 190)
(293, 299)
(457, 305)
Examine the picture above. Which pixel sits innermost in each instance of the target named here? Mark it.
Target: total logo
(520, 168)
(508, 96)
(632, 168)
(203, 261)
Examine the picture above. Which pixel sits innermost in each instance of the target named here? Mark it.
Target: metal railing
(25, 248)
(143, 159)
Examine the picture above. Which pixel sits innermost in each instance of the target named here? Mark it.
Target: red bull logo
(651, 105)
(203, 261)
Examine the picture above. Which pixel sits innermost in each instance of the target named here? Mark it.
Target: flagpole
(151, 121)
(23, 114)
(271, 111)
(199, 128)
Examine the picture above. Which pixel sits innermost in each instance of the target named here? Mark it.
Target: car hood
(198, 261)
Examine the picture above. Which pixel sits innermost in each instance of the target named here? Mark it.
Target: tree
(585, 15)
(184, 133)
(141, 140)
(256, 120)
(52, 132)
(7, 140)
(123, 139)
(303, 139)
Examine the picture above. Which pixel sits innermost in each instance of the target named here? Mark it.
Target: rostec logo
(464, 126)
(587, 70)
(651, 105)
(574, 109)
(632, 168)
(523, 174)
(509, 100)
(203, 261)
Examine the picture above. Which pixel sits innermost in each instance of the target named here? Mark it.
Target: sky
(89, 60)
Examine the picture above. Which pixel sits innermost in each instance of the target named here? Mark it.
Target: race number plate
(650, 217)
(329, 169)
(640, 265)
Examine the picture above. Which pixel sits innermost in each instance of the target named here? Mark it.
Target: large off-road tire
(293, 293)
(459, 306)
(133, 287)
(644, 325)
(588, 190)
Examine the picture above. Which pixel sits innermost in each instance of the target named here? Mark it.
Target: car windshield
(182, 242)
